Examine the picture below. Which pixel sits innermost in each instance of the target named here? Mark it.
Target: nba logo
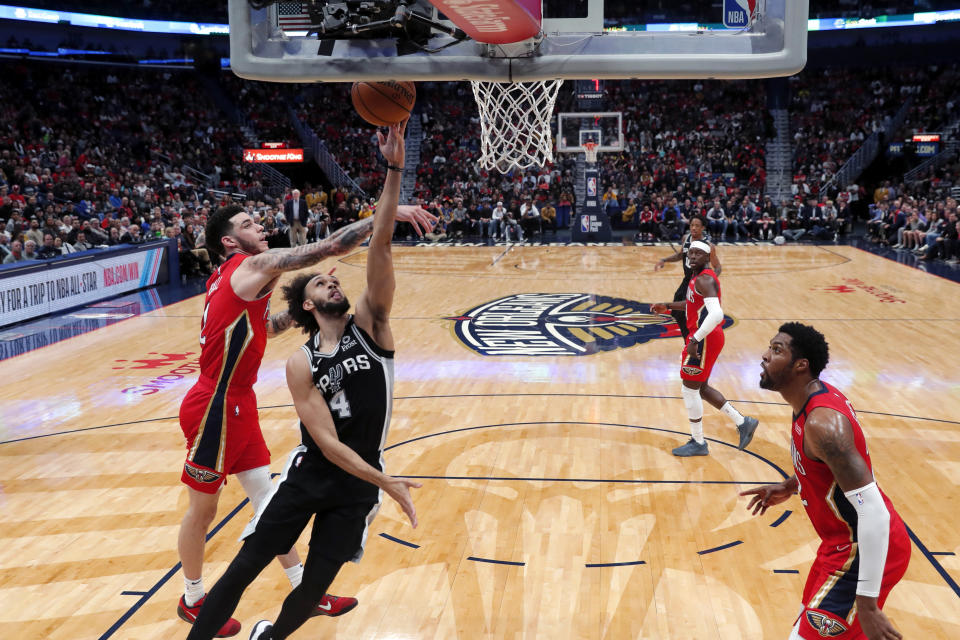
(591, 186)
(738, 14)
(585, 223)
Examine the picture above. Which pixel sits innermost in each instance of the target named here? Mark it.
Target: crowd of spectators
(907, 221)
(95, 159)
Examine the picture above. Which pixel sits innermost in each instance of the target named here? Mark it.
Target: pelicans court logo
(561, 324)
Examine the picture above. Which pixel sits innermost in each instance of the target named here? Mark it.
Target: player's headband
(703, 246)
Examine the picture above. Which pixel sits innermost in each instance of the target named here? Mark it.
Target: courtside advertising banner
(30, 295)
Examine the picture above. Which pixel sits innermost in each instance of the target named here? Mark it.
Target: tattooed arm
(344, 240)
(278, 323)
(258, 275)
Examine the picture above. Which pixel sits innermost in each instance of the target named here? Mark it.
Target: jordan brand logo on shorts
(201, 475)
(560, 324)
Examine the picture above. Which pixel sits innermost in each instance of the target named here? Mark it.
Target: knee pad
(693, 402)
(256, 484)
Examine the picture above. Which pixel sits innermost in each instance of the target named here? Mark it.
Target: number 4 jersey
(356, 380)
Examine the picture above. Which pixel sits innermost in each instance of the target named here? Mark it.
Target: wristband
(390, 167)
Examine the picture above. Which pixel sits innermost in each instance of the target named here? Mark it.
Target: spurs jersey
(831, 513)
(233, 332)
(687, 239)
(695, 309)
(356, 380)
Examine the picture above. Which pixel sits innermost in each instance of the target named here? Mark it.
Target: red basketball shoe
(189, 614)
(334, 606)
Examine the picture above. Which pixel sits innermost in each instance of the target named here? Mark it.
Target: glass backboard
(321, 40)
(605, 129)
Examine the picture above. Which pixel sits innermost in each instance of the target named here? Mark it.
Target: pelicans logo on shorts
(200, 474)
(826, 626)
(560, 324)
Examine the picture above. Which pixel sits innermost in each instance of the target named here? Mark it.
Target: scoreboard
(591, 95)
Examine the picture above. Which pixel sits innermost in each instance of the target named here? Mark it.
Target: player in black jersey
(342, 386)
(698, 231)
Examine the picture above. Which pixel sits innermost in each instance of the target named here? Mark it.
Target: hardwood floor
(541, 428)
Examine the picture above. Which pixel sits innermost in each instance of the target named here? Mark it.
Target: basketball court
(551, 504)
(537, 397)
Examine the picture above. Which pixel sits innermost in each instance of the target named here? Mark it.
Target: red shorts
(830, 593)
(223, 435)
(699, 370)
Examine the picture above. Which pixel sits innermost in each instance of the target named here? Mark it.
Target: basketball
(383, 103)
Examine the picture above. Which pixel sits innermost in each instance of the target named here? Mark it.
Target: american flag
(292, 16)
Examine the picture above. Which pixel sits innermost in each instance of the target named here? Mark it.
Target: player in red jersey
(705, 325)
(864, 548)
(219, 414)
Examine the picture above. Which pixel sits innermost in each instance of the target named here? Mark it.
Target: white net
(515, 123)
(590, 151)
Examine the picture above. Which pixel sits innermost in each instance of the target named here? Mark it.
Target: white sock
(295, 574)
(732, 413)
(192, 590)
(696, 431)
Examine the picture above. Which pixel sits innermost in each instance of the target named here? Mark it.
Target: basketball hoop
(515, 123)
(590, 150)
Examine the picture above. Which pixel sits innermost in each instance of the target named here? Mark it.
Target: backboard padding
(774, 46)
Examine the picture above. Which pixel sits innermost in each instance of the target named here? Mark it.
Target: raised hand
(391, 145)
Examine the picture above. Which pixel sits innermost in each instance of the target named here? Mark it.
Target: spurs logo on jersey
(332, 380)
(356, 380)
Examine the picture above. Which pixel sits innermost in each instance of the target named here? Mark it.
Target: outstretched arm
(345, 239)
(257, 275)
(373, 308)
(315, 414)
(676, 257)
(378, 298)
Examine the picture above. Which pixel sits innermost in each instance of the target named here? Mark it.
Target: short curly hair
(806, 342)
(295, 292)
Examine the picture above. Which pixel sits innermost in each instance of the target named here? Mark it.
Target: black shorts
(342, 505)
